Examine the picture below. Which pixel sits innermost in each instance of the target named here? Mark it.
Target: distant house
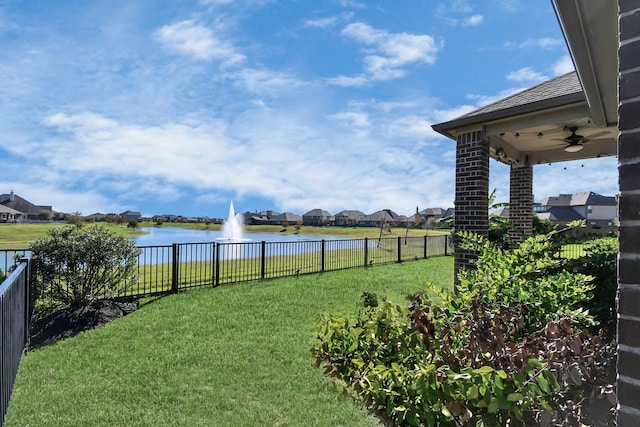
(384, 216)
(431, 214)
(599, 212)
(165, 218)
(9, 215)
(317, 217)
(447, 217)
(259, 218)
(348, 218)
(30, 212)
(95, 217)
(287, 217)
(130, 216)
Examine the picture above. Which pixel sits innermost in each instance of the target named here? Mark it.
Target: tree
(76, 219)
(75, 266)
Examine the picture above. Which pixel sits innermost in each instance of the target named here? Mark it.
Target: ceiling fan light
(573, 148)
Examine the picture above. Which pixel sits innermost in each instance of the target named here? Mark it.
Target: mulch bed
(68, 322)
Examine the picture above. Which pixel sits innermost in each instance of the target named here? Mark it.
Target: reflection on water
(159, 236)
(203, 243)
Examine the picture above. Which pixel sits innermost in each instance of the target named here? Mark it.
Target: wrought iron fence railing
(14, 329)
(176, 267)
(171, 268)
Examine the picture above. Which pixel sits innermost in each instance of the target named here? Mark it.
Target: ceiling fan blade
(596, 135)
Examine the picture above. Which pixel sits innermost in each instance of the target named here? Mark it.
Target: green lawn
(235, 355)
(20, 236)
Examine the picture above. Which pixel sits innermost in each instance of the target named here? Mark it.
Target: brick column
(472, 192)
(628, 380)
(521, 202)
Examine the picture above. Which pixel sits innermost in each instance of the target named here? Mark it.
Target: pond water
(162, 236)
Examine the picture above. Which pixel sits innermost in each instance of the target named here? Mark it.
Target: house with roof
(594, 112)
(431, 215)
(131, 216)
(382, 217)
(260, 218)
(599, 212)
(317, 217)
(348, 218)
(286, 217)
(29, 211)
(9, 215)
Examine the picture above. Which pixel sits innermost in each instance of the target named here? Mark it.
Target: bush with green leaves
(74, 266)
(511, 347)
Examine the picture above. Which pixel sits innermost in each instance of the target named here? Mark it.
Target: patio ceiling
(530, 127)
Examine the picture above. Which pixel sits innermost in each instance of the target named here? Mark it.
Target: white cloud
(526, 74)
(297, 159)
(541, 43)
(473, 21)
(390, 52)
(349, 81)
(415, 127)
(195, 40)
(360, 120)
(266, 81)
(352, 4)
(329, 21)
(444, 115)
(563, 66)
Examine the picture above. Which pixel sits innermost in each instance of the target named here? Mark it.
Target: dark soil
(68, 322)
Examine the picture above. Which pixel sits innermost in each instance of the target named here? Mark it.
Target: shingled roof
(559, 91)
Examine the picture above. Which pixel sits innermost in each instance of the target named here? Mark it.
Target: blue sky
(182, 106)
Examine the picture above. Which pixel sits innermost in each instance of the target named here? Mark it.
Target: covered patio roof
(579, 108)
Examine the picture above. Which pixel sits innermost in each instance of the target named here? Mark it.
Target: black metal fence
(14, 329)
(171, 268)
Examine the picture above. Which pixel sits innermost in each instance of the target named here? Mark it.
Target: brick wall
(521, 202)
(472, 191)
(628, 381)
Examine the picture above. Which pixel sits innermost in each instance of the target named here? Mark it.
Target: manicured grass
(236, 355)
(19, 236)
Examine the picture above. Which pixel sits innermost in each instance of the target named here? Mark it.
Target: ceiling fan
(574, 142)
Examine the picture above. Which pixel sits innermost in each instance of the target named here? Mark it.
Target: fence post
(27, 296)
(216, 280)
(322, 258)
(175, 269)
(263, 259)
(399, 252)
(446, 244)
(366, 251)
(426, 239)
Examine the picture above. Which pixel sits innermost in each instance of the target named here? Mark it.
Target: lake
(163, 236)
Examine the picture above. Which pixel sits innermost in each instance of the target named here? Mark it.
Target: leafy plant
(531, 273)
(76, 266)
(599, 260)
(511, 347)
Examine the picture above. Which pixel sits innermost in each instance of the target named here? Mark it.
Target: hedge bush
(511, 347)
(75, 266)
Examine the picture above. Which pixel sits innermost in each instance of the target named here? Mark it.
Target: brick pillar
(472, 192)
(628, 380)
(521, 202)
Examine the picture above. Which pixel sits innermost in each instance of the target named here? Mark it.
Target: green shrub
(531, 273)
(599, 260)
(511, 347)
(2, 276)
(76, 266)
